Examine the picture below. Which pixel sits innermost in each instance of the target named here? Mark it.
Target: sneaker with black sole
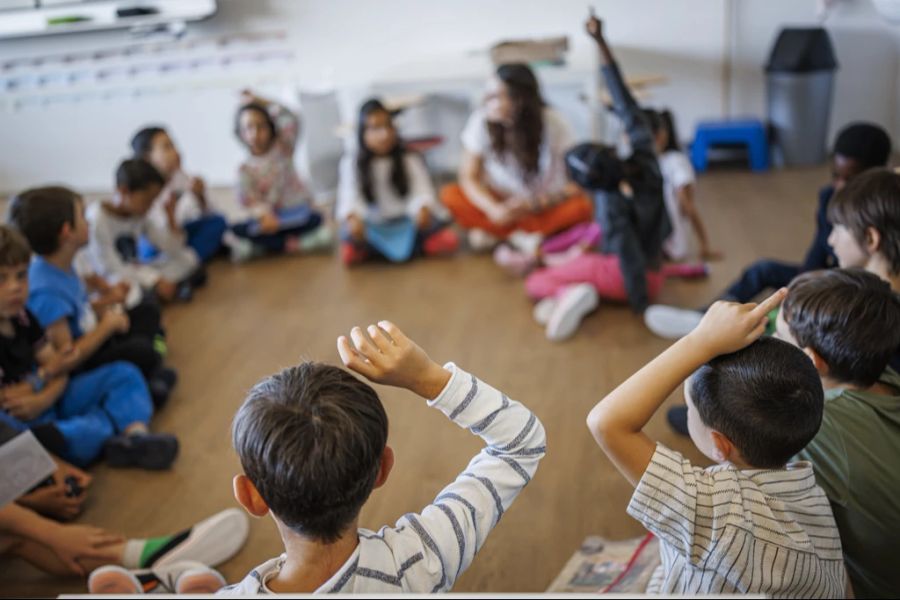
(161, 383)
(574, 304)
(184, 292)
(151, 451)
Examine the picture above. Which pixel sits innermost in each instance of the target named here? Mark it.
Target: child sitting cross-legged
(312, 441)
(52, 220)
(106, 410)
(756, 522)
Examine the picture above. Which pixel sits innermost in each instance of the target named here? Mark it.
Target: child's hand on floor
(53, 500)
(728, 326)
(388, 357)
(357, 228)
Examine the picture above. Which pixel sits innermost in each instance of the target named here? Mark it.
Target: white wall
(353, 44)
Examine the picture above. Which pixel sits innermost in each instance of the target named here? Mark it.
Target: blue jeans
(760, 276)
(203, 235)
(96, 406)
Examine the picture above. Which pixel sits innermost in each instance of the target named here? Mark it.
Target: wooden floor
(255, 319)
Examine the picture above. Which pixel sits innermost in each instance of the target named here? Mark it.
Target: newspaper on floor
(603, 566)
(23, 464)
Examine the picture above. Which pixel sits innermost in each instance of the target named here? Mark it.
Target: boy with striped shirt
(754, 523)
(312, 443)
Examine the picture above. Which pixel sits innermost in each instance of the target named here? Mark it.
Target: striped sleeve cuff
(454, 392)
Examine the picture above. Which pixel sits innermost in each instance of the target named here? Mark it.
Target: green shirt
(856, 457)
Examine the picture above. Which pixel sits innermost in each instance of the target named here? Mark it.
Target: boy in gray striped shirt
(754, 523)
(312, 443)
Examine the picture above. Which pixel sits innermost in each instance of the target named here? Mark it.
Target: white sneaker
(241, 250)
(186, 577)
(575, 303)
(481, 241)
(669, 322)
(210, 542)
(320, 239)
(528, 243)
(543, 310)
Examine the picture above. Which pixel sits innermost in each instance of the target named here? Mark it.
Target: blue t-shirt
(56, 294)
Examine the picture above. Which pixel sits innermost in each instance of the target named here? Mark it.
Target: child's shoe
(321, 239)
(575, 303)
(351, 254)
(528, 243)
(671, 323)
(161, 383)
(481, 241)
(512, 261)
(543, 310)
(181, 578)
(441, 243)
(152, 451)
(242, 250)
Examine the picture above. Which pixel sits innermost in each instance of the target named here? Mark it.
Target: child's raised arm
(617, 421)
(449, 532)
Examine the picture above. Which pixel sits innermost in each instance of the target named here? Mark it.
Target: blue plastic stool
(750, 132)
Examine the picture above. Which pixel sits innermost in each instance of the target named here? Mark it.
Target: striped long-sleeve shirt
(427, 552)
(723, 530)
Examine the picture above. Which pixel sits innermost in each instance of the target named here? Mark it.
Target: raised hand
(594, 27)
(383, 354)
(728, 326)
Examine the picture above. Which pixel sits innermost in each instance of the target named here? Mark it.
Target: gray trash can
(800, 88)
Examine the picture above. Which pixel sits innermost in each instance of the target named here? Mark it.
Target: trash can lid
(801, 50)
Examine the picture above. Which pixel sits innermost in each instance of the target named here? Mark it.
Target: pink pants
(603, 272)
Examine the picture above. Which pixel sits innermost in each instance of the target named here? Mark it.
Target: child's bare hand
(116, 321)
(269, 223)
(72, 543)
(594, 27)
(52, 500)
(728, 326)
(384, 354)
(198, 187)
(25, 407)
(165, 289)
(423, 219)
(357, 228)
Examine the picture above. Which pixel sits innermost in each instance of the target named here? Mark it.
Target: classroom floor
(254, 319)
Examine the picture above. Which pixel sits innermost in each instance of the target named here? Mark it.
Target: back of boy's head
(40, 214)
(866, 143)
(136, 174)
(767, 399)
(871, 200)
(311, 440)
(14, 250)
(595, 167)
(850, 317)
(142, 142)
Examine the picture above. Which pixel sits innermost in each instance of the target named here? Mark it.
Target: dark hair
(399, 177)
(40, 214)
(767, 399)
(259, 108)
(850, 317)
(14, 250)
(524, 138)
(142, 142)
(136, 174)
(595, 167)
(663, 120)
(311, 440)
(871, 199)
(867, 143)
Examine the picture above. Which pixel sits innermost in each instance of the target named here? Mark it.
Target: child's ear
(387, 463)
(65, 232)
(724, 450)
(247, 496)
(873, 240)
(818, 362)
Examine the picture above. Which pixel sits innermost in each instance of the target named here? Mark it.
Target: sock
(141, 554)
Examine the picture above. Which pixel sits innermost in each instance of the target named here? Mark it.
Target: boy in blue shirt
(52, 220)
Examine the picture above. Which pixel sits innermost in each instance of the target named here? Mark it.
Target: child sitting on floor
(755, 523)
(386, 202)
(52, 220)
(106, 410)
(312, 443)
(117, 226)
(848, 322)
(204, 229)
(279, 216)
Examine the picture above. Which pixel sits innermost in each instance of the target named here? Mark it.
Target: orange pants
(574, 210)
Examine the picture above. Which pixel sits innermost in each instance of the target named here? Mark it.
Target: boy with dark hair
(203, 228)
(52, 220)
(104, 410)
(312, 443)
(755, 522)
(858, 148)
(848, 322)
(117, 226)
